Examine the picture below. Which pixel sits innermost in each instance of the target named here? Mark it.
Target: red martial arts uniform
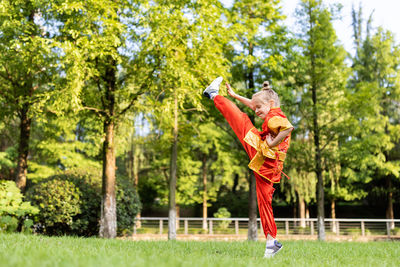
(266, 162)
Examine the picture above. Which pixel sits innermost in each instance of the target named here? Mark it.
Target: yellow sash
(263, 151)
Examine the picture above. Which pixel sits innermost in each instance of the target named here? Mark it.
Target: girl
(266, 149)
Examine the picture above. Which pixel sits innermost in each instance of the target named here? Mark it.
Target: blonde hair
(266, 94)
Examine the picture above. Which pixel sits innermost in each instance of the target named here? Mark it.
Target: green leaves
(11, 201)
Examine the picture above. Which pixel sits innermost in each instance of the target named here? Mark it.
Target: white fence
(286, 226)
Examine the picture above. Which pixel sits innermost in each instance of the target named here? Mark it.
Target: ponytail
(265, 86)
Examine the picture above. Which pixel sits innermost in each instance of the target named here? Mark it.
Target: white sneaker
(212, 90)
(270, 251)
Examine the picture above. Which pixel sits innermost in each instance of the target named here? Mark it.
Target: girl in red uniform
(266, 149)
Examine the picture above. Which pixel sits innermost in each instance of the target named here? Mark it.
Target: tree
(376, 78)
(252, 21)
(27, 68)
(105, 75)
(322, 90)
(211, 147)
(185, 64)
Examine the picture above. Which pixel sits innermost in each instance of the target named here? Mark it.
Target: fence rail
(286, 226)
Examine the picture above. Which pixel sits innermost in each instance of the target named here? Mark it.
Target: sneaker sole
(216, 81)
(272, 255)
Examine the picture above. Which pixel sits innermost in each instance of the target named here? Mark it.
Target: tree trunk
(135, 163)
(205, 192)
(25, 126)
(235, 183)
(23, 148)
(295, 214)
(389, 208)
(318, 166)
(172, 181)
(253, 227)
(135, 175)
(320, 185)
(316, 134)
(129, 164)
(302, 210)
(108, 222)
(308, 214)
(333, 215)
(250, 74)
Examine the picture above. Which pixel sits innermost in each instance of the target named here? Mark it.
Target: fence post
(134, 228)
(312, 227)
(388, 228)
(186, 227)
(337, 228)
(287, 227)
(211, 227)
(362, 228)
(161, 226)
(236, 227)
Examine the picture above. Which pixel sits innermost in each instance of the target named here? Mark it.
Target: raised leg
(238, 120)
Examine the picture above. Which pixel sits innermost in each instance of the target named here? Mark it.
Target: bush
(59, 201)
(70, 203)
(236, 201)
(352, 231)
(395, 231)
(86, 223)
(13, 208)
(128, 206)
(223, 213)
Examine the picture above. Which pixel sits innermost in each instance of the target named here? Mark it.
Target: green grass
(29, 250)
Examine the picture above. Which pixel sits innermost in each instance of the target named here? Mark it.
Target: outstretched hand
(244, 100)
(230, 91)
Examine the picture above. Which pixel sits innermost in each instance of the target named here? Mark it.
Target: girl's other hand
(269, 138)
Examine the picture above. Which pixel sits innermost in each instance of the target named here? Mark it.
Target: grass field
(29, 250)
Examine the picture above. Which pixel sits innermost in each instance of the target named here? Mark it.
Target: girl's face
(260, 107)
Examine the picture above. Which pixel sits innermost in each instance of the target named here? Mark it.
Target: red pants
(241, 124)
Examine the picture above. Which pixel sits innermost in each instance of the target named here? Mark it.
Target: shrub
(70, 203)
(13, 208)
(352, 231)
(223, 213)
(58, 201)
(128, 206)
(395, 231)
(86, 223)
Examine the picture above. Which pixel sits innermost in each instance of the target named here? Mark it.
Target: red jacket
(268, 162)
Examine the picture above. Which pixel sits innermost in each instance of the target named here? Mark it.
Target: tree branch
(190, 109)
(326, 124)
(95, 110)
(99, 87)
(165, 174)
(141, 91)
(327, 142)
(130, 104)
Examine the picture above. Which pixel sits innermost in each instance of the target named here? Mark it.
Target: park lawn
(34, 250)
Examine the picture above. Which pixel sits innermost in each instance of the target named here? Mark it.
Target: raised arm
(242, 99)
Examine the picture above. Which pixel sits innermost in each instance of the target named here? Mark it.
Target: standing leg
(265, 191)
(238, 120)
